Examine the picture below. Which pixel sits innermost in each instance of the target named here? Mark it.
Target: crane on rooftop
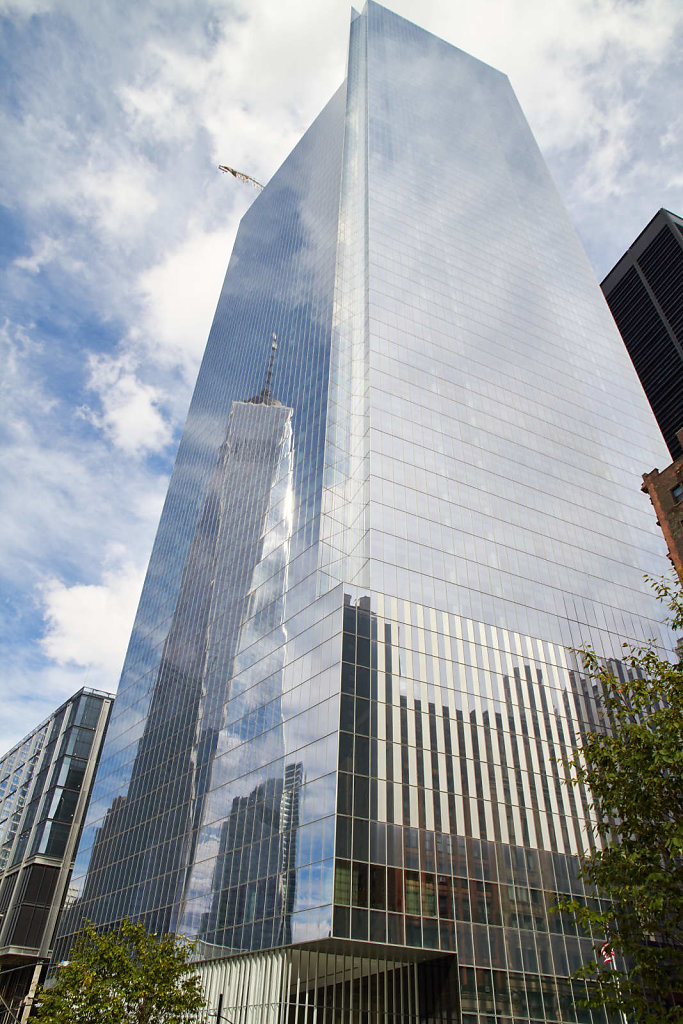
(241, 176)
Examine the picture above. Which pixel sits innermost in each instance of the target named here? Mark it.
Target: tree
(125, 976)
(634, 772)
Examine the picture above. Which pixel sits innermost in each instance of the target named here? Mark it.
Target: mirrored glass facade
(350, 682)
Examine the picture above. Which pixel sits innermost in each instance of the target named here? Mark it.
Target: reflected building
(357, 802)
(255, 878)
(151, 832)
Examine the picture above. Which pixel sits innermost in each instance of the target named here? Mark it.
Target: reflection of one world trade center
(231, 594)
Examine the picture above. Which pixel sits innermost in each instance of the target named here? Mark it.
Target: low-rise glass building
(45, 786)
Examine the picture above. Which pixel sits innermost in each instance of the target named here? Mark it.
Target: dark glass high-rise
(45, 785)
(336, 754)
(644, 291)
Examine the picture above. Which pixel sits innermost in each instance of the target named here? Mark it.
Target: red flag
(607, 953)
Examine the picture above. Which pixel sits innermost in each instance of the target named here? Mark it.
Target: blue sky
(116, 227)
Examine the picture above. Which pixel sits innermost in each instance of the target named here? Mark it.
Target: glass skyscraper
(336, 753)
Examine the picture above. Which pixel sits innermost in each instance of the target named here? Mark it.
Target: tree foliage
(125, 976)
(634, 771)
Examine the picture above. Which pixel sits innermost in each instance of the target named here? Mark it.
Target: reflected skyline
(231, 592)
(256, 892)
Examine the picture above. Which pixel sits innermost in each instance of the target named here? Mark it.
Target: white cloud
(76, 524)
(89, 624)
(17, 345)
(24, 8)
(151, 108)
(120, 200)
(132, 416)
(602, 175)
(672, 136)
(159, 101)
(43, 251)
(179, 297)
(65, 497)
